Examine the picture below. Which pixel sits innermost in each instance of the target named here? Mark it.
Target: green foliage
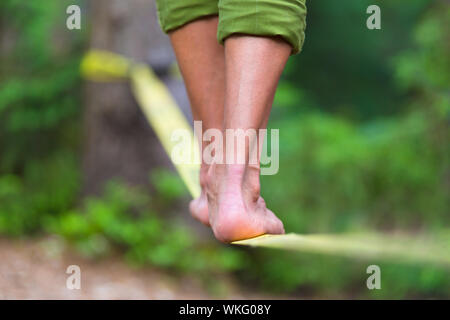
(39, 81)
(123, 218)
(360, 175)
(343, 64)
(168, 186)
(46, 188)
(427, 68)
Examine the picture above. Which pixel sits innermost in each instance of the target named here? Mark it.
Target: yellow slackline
(364, 246)
(165, 117)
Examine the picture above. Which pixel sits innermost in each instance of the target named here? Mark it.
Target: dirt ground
(31, 269)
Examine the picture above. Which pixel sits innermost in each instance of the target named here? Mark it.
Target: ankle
(236, 179)
(204, 175)
(234, 170)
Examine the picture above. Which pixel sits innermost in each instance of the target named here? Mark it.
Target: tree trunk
(118, 140)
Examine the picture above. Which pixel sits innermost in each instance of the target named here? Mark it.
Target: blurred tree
(343, 64)
(119, 142)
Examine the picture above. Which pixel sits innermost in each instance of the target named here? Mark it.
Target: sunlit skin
(230, 87)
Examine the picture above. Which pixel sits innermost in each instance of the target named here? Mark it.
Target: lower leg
(202, 63)
(253, 67)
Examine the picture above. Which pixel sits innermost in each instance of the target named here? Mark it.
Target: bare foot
(236, 209)
(199, 207)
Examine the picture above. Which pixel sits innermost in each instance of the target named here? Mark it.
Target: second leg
(202, 62)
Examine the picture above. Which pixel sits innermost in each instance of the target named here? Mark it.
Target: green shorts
(285, 18)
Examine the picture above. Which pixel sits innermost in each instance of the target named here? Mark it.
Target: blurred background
(364, 146)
